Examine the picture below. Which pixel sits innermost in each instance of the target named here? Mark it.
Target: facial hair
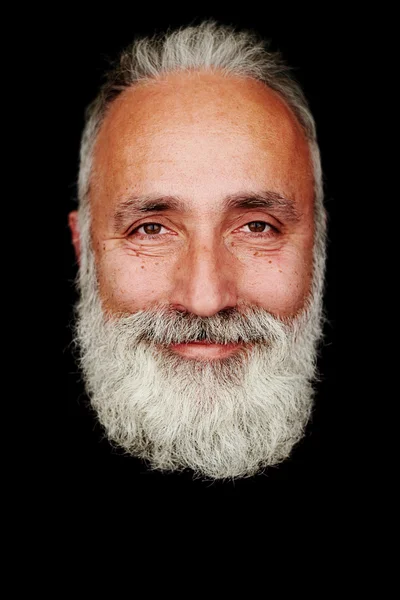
(222, 418)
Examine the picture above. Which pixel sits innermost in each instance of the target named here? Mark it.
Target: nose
(204, 282)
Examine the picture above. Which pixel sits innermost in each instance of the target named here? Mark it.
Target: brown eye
(150, 231)
(151, 228)
(257, 226)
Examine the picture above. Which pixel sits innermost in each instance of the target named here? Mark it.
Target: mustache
(166, 325)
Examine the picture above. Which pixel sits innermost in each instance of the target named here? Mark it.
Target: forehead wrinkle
(141, 140)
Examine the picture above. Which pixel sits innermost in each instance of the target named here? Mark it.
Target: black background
(71, 454)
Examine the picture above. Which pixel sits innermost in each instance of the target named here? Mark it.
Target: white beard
(224, 418)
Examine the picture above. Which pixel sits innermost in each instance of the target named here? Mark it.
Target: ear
(74, 227)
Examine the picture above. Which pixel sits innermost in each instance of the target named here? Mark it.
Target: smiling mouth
(205, 350)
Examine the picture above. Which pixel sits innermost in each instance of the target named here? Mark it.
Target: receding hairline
(205, 76)
(210, 47)
(277, 110)
(176, 82)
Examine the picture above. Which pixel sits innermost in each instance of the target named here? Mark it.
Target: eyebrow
(283, 208)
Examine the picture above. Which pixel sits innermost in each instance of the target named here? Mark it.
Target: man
(200, 238)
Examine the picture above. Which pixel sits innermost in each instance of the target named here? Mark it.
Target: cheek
(130, 283)
(280, 284)
(277, 282)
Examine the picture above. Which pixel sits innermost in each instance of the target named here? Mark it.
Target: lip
(205, 350)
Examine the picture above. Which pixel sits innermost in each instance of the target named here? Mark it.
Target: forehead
(201, 136)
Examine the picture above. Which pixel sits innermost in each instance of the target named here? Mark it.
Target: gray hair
(212, 47)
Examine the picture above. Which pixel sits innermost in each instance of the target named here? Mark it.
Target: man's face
(202, 139)
(202, 201)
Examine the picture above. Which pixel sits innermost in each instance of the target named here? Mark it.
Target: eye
(258, 226)
(149, 230)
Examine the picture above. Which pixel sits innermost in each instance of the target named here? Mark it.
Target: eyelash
(148, 236)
